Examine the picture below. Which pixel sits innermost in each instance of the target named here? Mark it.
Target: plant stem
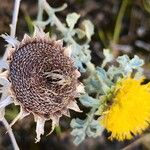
(118, 24)
(12, 34)
(40, 11)
(15, 18)
(50, 12)
(13, 26)
(91, 114)
(11, 135)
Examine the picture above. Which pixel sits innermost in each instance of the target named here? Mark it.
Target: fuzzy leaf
(136, 62)
(72, 19)
(79, 135)
(127, 65)
(81, 55)
(89, 101)
(3, 64)
(89, 28)
(89, 127)
(4, 81)
(94, 129)
(80, 33)
(123, 60)
(108, 57)
(77, 123)
(10, 40)
(103, 75)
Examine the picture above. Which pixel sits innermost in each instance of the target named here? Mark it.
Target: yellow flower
(129, 113)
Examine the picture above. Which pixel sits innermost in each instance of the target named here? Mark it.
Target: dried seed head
(43, 78)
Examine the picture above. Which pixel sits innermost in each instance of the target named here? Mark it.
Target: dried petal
(40, 122)
(73, 105)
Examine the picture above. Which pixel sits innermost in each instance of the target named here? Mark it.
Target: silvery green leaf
(79, 139)
(3, 64)
(85, 55)
(10, 40)
(100, 110)
(103, 74)
(104, 86)
(90, 128)
(4, 81)
(93, 86)
(94, 129)
(5, 102)
(85, 46)
(76, 48)
(79, 65)
(108, 57)
(139, 73)
(89, 28)
(115, 73)
(77, 123)
(72, 19)
(123, 60)
(80, 121)
(88, 101)
(76, 131)
(136, 62)
(128, 65)
(80, 33)
(90, 88)
(4, 91)
(61, 8)
(79, 135)
(127, 69)
(125, 66)
(42, 24)
(90, 132)
(81, 55)
(108, 54)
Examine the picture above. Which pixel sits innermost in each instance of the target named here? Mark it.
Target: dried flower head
(129, 113)
(43, 79)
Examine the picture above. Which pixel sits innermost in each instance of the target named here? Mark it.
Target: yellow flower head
(129, 113)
